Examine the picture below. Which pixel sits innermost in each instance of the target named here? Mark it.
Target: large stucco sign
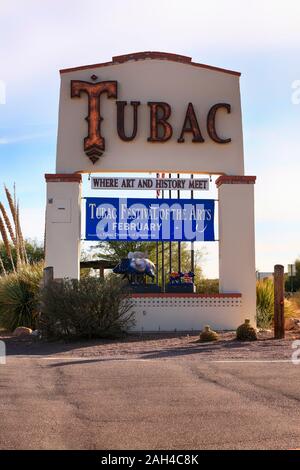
(157, 112)
(144, 112)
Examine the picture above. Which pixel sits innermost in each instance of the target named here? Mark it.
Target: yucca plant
(19, 297)
(264, 303)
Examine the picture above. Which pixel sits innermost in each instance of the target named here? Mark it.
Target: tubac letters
(94, 143)
(160, 128)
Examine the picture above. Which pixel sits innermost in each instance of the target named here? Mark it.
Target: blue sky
(259, 38)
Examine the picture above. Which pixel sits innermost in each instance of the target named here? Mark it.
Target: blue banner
(150, 219)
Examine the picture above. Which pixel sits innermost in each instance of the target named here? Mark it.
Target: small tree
(115, 250)
(35, 254)
(296, 279)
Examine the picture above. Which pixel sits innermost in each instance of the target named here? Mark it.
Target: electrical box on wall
(60, 210)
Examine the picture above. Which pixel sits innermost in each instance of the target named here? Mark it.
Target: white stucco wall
(187, 313)
(237, 244)
(63, 228)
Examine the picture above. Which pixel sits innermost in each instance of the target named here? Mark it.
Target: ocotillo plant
(11, 233)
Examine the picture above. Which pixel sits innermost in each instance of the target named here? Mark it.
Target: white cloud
(22, 138)
(273, 155)
(37, 37)
(2, 92)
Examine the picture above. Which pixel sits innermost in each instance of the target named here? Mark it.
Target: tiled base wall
(187, 313)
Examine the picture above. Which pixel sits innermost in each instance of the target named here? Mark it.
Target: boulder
(22, 331)
(208, 335)
(291, 323)
(246, 332)
(36, 333)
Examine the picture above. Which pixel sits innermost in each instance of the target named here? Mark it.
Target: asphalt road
(54, 402)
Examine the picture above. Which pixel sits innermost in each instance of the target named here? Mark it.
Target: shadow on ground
(149, 346)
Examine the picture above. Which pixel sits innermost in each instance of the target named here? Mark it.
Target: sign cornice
(152, 55)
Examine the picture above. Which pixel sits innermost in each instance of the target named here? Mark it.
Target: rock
(246, 332)
(22, 331)
(35, 333)
(208, 335)
(291, 323)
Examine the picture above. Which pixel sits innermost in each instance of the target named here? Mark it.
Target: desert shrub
(89, 308)
(264, 303)
(19, 297)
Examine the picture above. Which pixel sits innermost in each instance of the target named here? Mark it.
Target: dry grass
(23, 253)
(2, 267)
(6, 241)
(294, 303)
(8, 223)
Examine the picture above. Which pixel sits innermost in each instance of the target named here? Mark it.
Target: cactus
(246, 332)
(208, 335)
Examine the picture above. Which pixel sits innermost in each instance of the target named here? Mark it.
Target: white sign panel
(178, 184)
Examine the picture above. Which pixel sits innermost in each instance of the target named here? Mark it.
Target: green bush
(19, 297)
(89, 308)
(295, 284)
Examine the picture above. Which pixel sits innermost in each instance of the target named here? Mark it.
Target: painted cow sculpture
(135, 267)
(177, 278)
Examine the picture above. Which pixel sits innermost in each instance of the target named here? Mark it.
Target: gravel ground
(163, 345)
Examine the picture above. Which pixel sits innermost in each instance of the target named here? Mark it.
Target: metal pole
(162, 267)
(48, 276)
(170, 243)
(163, 258)
(156, 254)
(192, 243)
(278, 301)
(179, 245)
(156, 262)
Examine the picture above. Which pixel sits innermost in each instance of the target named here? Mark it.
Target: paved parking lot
(68, 397)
